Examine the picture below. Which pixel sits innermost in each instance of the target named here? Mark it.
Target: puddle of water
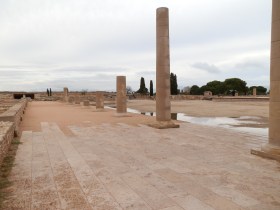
(238, 124)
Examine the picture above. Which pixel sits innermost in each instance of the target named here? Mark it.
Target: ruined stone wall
(172, 97)
(240, 98)
(6, 136)
(186, 97)
(14, 114)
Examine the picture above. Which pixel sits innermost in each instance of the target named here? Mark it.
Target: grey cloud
(206, 67)
(251, 65)
(76, 42)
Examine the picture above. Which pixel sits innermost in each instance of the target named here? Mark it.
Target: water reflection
(238, 124)
(174, 116)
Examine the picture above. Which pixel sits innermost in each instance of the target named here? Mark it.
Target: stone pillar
(86, 102)
(163, 104)
(121, 95)
(65, 91)
(99, 101)
(77, 100)
(65, 94)
(254, 92)
(272, 149)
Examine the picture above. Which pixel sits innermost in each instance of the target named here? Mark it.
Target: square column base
(163, 125)
(122, 115)
(99, 110)
(268, 151)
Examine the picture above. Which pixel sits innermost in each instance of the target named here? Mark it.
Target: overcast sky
(85, 44)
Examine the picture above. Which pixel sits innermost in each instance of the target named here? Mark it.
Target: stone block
(163, 124)
(6, 136)
(86, 102)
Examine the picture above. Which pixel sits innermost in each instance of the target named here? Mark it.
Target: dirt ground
(203, 108)
(198, 108)
(69, 114)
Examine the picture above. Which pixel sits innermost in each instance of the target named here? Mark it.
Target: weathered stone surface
(163, 104)
(6, 136)
(14, 114)
(77, 100)
(121, 95)
(272, 149)
(99, 101)
(111, 165)
(86, 102)
(254, 91)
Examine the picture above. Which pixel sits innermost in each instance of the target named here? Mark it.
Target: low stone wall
(240, 98)
(14, 114)
(186, 97)
(6, 136)
(172, 97)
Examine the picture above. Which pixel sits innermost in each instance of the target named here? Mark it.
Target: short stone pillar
(206, 95)
(163, 103)
(86, 102)
(236, 94)
(254, 92)
(121, 96)
(65, 94)
(99, 101)
(71, 100)
(77, 100)
(272, 149)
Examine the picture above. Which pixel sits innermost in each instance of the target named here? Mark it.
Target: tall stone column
(99, 101)
(272, 149)
(121, 96)
(163, 104)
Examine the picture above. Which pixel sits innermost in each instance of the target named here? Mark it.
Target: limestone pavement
(122, 165)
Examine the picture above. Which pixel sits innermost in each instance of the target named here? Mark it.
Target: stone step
(44, 191)
(69, 191)
(94, 191)
(19, 193)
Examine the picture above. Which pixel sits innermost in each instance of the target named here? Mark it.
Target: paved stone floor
(122, 166)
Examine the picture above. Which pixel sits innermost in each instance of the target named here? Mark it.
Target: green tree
(260, 90)
(142, 89)
(202, 89)
(151, 88)
(173, 84)
(195, 90)
(216, 87)
(236, 84)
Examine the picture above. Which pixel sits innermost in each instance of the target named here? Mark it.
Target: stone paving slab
(120, 166)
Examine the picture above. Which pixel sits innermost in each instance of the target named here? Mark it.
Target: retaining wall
(14, 114)
(6, 136)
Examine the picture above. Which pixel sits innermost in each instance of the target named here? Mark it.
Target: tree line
(227, 87)
(144, 91)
